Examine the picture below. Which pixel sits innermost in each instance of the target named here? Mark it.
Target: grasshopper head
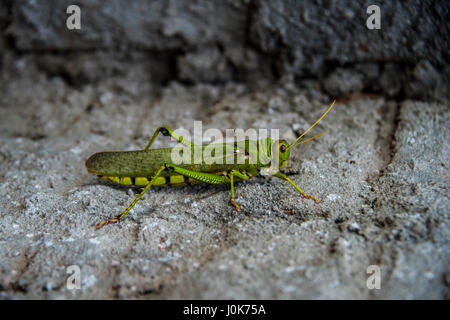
(283, 152)
(278, 155)
(280, 149)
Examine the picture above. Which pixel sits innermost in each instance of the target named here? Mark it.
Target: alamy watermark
(374, 20)
(238, 146)
(73, 22)
(74, 280)
(374, 280)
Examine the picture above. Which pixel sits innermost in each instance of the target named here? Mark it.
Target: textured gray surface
(381, 203)
(217, 41)
(381, 173)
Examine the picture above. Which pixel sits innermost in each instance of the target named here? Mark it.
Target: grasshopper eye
(283, 148)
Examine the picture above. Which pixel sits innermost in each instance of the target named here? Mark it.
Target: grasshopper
(154, 167)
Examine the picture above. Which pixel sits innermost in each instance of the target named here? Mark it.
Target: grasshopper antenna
(301, 136)
(316, 136)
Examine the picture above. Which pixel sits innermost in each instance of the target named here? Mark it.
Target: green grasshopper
(154, 167)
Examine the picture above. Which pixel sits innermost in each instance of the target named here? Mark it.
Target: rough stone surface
(219, 41)
(381, 172)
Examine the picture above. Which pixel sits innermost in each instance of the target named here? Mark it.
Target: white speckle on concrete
(94, 241)
(332, 197)
(87, 282)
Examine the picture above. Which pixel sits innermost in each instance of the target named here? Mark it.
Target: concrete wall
(218, 41)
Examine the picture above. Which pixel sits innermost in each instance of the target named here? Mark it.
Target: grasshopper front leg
(284, 177)
(166, 131)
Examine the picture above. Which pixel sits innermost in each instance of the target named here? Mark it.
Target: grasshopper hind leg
(125, 212)
(198, 176)
(166, 131)
(195, 175)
